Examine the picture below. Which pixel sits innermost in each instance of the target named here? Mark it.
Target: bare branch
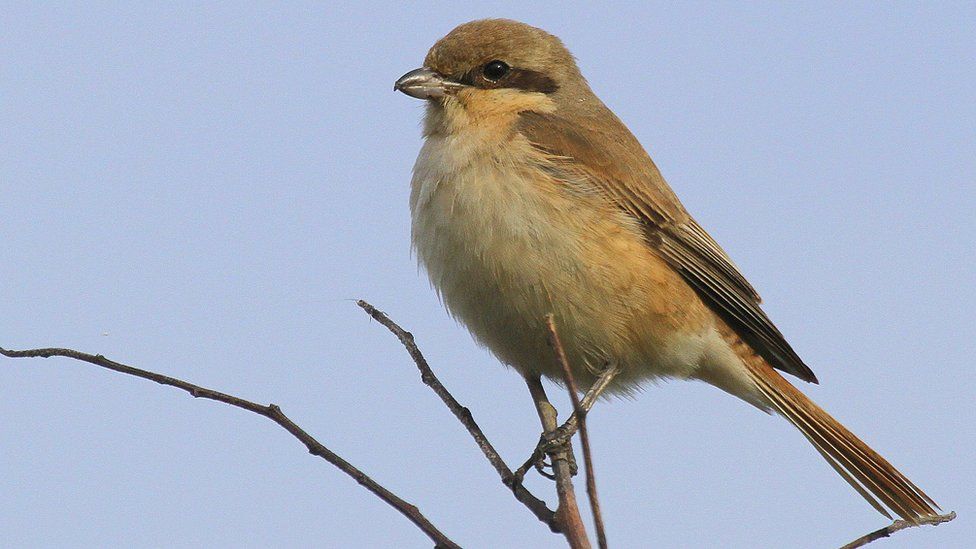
(272, 412)
(896, 526)
(568, 512)
(573, 388)
(534, 504)
(565, 520)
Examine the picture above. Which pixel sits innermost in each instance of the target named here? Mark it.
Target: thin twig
(272, 412)
(573, 388)
(534, 504)
(568, 512)
(896, 526)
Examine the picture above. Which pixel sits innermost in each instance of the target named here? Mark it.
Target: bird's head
(490, 71)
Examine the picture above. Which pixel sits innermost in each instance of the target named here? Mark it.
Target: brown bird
(531, 197)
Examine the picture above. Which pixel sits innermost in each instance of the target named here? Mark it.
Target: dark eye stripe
(525, 79)
(521, 79)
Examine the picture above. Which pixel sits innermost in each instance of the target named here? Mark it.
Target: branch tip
(896, 526)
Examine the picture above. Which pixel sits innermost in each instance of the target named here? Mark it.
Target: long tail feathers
(871, 475)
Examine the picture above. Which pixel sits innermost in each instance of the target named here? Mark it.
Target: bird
(530, 198)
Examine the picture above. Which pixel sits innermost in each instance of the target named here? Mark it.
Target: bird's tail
(871, 475)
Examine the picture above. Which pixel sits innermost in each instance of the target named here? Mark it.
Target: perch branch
(568, 511)
(272, 412)
(580, 414)
(534, 504)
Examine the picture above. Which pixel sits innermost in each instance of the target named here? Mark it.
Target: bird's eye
(495, 70)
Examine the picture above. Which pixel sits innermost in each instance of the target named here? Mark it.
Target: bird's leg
(537, 460)
(565, 432)
(601, 384)
(551, 442)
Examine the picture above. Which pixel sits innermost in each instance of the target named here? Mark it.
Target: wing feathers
(621, 170)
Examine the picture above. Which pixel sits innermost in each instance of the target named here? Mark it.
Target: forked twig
(272, 412)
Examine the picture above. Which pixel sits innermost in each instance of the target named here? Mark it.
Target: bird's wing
(611, 160)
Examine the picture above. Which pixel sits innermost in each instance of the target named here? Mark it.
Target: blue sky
(205, 190)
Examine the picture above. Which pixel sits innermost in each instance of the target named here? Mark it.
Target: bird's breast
(504, 243)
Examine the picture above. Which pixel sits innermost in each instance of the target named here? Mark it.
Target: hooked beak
(423, 83)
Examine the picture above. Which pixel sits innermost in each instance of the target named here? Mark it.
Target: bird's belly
(505, 247)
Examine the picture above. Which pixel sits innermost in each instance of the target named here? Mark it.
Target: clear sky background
(204, 191)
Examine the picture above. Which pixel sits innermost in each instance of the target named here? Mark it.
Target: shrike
(531, 197)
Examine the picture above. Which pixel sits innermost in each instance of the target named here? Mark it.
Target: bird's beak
(424, 83)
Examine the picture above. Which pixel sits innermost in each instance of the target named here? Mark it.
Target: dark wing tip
(806, 374)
